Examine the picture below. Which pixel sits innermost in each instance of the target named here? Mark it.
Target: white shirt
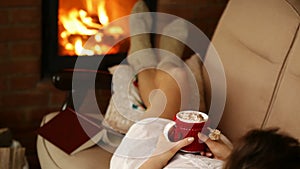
(140, 142)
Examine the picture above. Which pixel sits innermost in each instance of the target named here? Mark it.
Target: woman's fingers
(209, 154)
(210, 143)
(165, 150)
(217, 148)
(206, 152)
(202, 137)
(163, 145)
(182, 143)
(185, 142)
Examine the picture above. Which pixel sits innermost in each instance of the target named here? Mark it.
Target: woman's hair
(265, 149)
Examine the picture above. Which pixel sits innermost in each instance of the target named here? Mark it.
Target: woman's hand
(217, 148)
(164, 151)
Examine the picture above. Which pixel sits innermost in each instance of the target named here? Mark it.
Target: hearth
(69, 24)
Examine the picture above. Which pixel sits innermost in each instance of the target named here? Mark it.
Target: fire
(77, 25)
(103, 18)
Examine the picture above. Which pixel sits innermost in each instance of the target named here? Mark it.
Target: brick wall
(24, 97)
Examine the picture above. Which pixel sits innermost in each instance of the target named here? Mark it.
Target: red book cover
(66, 132)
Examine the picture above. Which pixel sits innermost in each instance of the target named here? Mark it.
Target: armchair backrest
(259, 44)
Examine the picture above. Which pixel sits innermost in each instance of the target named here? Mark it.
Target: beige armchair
(259, 45)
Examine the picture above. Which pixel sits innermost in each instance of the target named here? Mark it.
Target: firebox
(69, 24)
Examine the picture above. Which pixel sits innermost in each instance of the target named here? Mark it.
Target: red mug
(187, 123)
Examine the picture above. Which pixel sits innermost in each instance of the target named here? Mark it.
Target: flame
(98, 37)
(89, 6)
(103, 18)
(78, 46)
(74, 25)
(80, 50)
(79, 24)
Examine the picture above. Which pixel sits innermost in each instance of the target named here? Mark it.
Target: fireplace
(69, 24)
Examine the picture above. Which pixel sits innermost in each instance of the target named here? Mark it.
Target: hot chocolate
(191, 116)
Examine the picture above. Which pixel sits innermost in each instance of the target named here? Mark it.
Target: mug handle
(167, 129)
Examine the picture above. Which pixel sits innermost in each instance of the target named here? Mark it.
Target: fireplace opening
(81, 28)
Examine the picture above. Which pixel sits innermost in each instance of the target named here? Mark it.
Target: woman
(144, 148)
(258, 149)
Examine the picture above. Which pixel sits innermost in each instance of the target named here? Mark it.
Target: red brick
(25, 49)
(25, 116)
(26, 67)
(36, 114)
(11, 115)
(20, 33)
(5, 69)
(25, 15)
(46, 85)
(23, 119)
(29, 98)
(3, 84)
(3, 51)
(17, 120)
(4, 17)
(16, 3)
(20, 67)
(24, 82)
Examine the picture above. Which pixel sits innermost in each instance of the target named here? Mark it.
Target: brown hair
(265, 149)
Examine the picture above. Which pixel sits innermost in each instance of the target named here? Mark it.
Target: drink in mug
(187, 123)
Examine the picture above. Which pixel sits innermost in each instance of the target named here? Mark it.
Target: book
(72, 132)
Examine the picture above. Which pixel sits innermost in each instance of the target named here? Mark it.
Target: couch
(258, 42)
